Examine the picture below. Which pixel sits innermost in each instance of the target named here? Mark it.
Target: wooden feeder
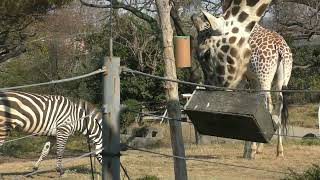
(231, 114)
(182, 51)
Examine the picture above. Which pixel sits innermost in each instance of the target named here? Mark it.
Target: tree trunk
(172, 95)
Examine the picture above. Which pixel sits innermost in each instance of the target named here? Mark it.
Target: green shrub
(310, 142)
(148, 178)
(128, 117)
(313, 173)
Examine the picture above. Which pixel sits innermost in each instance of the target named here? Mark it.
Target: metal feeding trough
(236, 115)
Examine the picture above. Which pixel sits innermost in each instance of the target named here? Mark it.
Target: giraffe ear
(216, 23)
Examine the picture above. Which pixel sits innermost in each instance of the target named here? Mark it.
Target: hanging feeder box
(182, 51)
(236, 115)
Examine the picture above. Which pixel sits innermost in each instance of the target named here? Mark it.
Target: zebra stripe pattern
(49, 115)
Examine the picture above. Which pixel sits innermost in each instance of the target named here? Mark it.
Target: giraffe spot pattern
(232, 39)
(250, 26)
(241, 41)
(252, 3)
(231, 69)
(218, 43)
(237, 2)
(225, 48)
(235, 10)
(224, 40)
(220, 56)
(242, 16)
(230, 60)
(235, 30)
(234, 52)
(227, 15)
(261, 9)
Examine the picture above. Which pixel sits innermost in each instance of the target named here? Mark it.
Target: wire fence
(99, 71)
(150, 114)
(211, 87)
(66, 161)
(206, 161)
(179, 120)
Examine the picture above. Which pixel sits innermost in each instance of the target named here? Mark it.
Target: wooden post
(111, 122)
(172, 95)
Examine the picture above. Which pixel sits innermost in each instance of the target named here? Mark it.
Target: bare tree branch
(302, 67)
(119, 5)
(6, 55)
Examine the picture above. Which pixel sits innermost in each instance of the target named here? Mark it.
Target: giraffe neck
(243, 15)
(231, 48)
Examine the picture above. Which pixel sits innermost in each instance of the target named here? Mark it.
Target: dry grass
(139, 164)
(298, 156)
(304, 115)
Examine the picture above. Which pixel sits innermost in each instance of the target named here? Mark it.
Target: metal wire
(67, 160)
(55, 81)
(172, 119)
(125, 69)
(125, 171)
(154, 115)
(206, 161)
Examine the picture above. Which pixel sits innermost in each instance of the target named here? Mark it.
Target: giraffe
(224, 52)
(270, 62)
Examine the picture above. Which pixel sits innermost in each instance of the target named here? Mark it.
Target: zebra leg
(246, 150)
(45, 151)
(4, 131)
(62, 137)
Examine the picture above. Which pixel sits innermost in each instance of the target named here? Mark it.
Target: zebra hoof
(60, 171)
(35, 169)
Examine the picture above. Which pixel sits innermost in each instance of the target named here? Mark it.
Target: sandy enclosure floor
(139, 164)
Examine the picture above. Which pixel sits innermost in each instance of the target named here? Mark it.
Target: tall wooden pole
(173, 105)
(111, 122)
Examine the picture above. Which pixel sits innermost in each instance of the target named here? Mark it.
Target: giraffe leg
(250, 150)
(62, 137)
(279, 145)
(259, 148)
(253, 150)
(279, 107)
(45, 151)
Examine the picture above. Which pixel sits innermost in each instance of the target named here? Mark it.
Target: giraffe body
(227, 52)
(270, 62)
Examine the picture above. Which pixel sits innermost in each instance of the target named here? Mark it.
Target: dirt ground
(139, 164)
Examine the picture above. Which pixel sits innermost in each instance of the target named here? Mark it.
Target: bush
(128, 117)
(148, 178)
(313, 173)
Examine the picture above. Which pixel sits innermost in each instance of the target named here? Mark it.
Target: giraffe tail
(284, 111)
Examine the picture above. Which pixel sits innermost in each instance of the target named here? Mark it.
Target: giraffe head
(222, 42)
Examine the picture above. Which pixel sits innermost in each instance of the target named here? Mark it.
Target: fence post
(319, 120)
(111, 122)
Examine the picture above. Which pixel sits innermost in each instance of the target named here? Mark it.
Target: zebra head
(91, 126)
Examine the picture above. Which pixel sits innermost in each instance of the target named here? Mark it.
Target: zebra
(54, 116)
